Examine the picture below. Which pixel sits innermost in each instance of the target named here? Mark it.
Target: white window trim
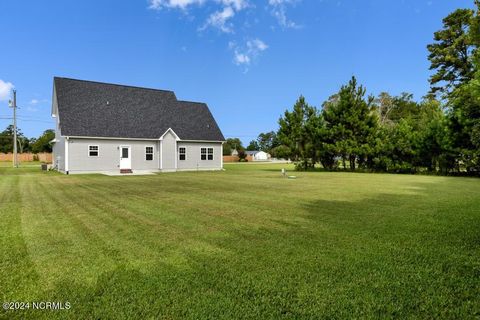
(153, 153)
(213, 153)
(206, 153)
(98, 150)
(179, 153)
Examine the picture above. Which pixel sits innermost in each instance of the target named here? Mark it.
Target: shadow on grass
(386, 256)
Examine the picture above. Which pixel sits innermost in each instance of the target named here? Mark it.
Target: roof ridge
(115, 84)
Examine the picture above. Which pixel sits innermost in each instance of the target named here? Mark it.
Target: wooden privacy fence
(25, 157)
(235, 158)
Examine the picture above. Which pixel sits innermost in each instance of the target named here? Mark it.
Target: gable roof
(95, 109)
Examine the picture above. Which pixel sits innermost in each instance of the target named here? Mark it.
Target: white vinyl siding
(193, 154)
(109, 155)
(169, 152)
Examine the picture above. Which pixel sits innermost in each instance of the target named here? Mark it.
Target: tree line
(24, 144)
(440, 134)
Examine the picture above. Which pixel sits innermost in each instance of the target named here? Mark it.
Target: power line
(30, 120)
(32, 117)
(26, 120)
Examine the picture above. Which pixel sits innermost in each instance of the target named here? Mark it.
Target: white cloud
(219, 19)
(279, 11)
(5, 90)
(236, 4)
(223, 15)
(183, 4)
(243, 56)
(257, 45)
(179, 4)
(34, 101)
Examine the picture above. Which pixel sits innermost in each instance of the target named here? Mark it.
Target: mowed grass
(243, 243)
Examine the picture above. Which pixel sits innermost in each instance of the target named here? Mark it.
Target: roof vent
(108, 103)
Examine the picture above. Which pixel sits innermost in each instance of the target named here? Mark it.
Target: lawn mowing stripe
(58, 238)
(323, 246)
(17, 272)
(148, 229)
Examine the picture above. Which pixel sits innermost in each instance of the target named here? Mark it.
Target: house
(102, 127)
(258, 155)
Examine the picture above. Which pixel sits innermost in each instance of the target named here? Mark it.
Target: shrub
(242, 156)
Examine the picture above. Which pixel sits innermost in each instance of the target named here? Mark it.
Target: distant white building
(259, 155)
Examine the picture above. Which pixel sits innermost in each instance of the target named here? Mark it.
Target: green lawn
(244, 243)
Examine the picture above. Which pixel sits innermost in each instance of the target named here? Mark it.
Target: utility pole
(14, 106)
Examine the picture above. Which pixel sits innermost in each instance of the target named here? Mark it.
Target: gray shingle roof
(94, 109)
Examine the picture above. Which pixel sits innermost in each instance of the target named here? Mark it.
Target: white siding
(168, 152)
(193, 160)
(109, 155)
(58, 156)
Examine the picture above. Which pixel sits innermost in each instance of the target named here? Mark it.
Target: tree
(350, 124)
(280, 152)
(227, 150)
(43, 143)
(456, 59)
(297, 133)
(267, 141)
(384, 105)
(6, 139)
(253, 146)
(232, 144)
(23, 144)
(464, 119)
(242, 155)
(451, 54)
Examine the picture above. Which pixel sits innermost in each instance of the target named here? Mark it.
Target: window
(206, 153)
(149, 153)
(182, 153)
(93, 151)
(125, 152)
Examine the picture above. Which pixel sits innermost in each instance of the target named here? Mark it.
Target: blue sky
(249, 60)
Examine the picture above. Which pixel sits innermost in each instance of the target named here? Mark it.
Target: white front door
(125, 157)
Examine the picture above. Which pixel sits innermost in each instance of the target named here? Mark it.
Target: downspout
(161, 154)
(67, 139)
(176, 155)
